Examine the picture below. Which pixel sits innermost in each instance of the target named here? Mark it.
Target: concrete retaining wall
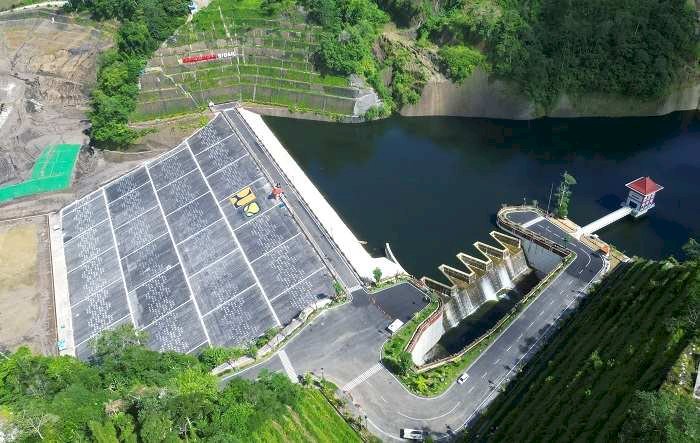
(428, 338)
(540, 259)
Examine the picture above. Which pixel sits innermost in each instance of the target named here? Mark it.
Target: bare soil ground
(26, 291)
(47, 65)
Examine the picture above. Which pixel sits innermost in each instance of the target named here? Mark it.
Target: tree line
(128, 393)
(144, 25)
(634, 48)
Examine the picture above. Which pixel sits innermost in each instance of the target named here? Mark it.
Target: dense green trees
(662, 416)
(128, 393)
(563, 194)
(144, 25)
(460, 61)
(637, 48)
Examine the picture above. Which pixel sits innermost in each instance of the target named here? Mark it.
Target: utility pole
(551, 189)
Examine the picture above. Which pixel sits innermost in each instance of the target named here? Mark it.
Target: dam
(489, 278)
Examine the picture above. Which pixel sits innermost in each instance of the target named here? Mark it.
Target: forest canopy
(637, 48)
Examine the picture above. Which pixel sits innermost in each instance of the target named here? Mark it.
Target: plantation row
(624, 338)
(168, 102)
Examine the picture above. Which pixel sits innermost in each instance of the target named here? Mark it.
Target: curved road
(344, 344)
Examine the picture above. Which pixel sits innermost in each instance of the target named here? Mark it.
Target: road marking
(532, 222)
(470, 390)
(288, 368)
(530, 325)
(508, 348)
(520, 336)
(496, 362)
(485, 374)
(540, 314)
(362, 377)
(431, 418)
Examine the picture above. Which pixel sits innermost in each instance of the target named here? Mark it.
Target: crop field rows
(273, 66)
(619, 342)
(190, 248)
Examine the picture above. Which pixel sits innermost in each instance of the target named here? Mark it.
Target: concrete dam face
(481, 280)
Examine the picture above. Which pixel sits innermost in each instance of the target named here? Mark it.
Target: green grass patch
(312, 419)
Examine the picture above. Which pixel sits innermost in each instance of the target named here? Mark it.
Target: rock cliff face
(482, 96)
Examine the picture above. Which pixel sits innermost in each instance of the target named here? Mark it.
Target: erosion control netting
(52, 172)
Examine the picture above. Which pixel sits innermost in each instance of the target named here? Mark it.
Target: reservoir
(431, 186)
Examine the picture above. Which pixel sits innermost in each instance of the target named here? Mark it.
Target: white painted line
(530, 325)
(540, 314)
(179, 257)
(214, 262)
(245, 186)
(485, 374)
(532, 222)
(179, 178)
(233, 297)
(90, 259)
(238, 243)
(211, 146)
(141, 247)
(508, 348)
(185, 204)
(470, 390)
(84, 232)
(114, 228)
(155, 276)
(362, 377)
(520, 336)
(297, 283)
(127, 193)
(227, 165)
(203, 229)
(287, 365)
(95, 292)
(497, 361)
(157, 319)
(432, 418)
(254, 218)
(121, 269)
(196, 347)
(281, 244)
(101, 330)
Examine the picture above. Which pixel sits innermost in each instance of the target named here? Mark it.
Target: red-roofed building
(641, 196)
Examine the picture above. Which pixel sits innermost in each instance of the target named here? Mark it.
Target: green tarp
(52, 172)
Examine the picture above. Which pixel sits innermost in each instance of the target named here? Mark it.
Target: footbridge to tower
(639, 200)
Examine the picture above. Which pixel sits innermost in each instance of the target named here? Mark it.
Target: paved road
(346, 343)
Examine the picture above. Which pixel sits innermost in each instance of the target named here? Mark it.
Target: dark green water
(432, 186)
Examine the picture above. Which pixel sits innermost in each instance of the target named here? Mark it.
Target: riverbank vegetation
(633, 48)
(599, 376)
(128, 393)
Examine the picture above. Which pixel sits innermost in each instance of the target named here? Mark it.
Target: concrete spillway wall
(427, 338)
(481, 281)
(540, 259)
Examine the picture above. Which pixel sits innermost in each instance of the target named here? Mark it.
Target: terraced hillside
(625, 338)
(268, 60)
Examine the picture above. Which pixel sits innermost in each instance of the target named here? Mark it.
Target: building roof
(644, 186)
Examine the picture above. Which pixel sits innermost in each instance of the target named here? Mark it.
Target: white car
(462, 378)
(412, 434)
